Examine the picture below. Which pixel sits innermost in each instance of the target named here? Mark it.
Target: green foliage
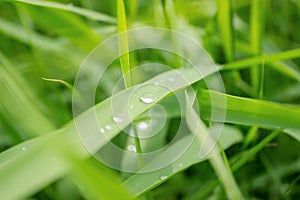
(255, 44)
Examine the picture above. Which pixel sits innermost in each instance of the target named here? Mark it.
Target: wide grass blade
(248, 111)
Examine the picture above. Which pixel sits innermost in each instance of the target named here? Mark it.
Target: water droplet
(23, 148)
(131, 148)
(156, 84)
(171, 79)
(163, 177)
(108, 127)
(142, 126)
(180, 165)
(118, 118)
(147, 98)
(131, 107)
(102, 130)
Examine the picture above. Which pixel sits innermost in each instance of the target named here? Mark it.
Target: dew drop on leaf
(142, 126)
(108, 127)
(102, 130)
(131, 148)
(147, 98)
(171, 79)
(163, 177)
(118, 118)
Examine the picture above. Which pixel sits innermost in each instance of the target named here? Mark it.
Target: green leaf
(247, 111)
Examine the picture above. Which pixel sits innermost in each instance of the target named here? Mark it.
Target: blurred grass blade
(199, 129)
(17, 33)
(123, 43)
(248, 62)
(64, 24)
(254, 150)
(19, 103)
(241, 110)
(224, 18)
(96, 182)
(90, 14)
(256, 35)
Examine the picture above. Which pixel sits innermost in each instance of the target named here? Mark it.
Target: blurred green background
(43, 43)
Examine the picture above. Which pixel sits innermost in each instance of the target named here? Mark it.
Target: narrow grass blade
(256, 35)
(123, 44)
(248, 62)
(224, 17)
(90, 14)
(199, 129)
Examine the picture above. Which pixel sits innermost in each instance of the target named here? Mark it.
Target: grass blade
(199, 129)
(225, 23)
(241, 110)
(90, 14)
(123, 44)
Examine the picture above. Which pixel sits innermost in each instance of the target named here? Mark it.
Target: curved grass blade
(90, 14)
(251, 111)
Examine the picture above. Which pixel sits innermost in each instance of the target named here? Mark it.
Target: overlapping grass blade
(67, 142)
(199, 129)
(142, 182)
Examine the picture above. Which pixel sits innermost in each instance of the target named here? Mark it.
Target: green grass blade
(199, 129)
(90, 14)
(224, 17)
(241, 110)
(96, 182)
(20, 103)
(123, 44)
(140, 183)
(256, 35)
(248, 62)
(67, 141)
(64, 24)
